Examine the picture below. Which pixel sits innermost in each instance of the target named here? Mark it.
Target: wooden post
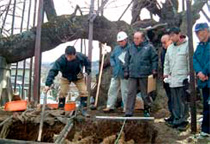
(192, 78)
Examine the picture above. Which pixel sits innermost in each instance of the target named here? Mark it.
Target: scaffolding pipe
(31, 59)
(24, 62)
(37, 64)
(2, 27)
(12, 31)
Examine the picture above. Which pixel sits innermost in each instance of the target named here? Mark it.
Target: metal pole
(2, 27)
(125, 10)
(100, 44)
(183, 5)
(31, 59)
(21, 29)
(12, 31)
(192, 78)
(90, 45)
(13, 18)
(24, 62)
(37, 65)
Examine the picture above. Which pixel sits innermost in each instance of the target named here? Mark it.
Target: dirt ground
(94, 131)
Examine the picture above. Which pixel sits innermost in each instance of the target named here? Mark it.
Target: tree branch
(61, 29)
(49, 9)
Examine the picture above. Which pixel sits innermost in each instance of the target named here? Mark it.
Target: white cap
(121, 36)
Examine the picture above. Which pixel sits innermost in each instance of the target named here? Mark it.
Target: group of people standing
(141, 60)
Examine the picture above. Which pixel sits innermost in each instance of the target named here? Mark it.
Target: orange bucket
(54, 106)
(19, 105)
(70, 106)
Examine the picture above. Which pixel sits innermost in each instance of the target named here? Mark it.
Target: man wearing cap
(71, 66)
(141, 61)
(201, 64)
(176, 70)
(118, 82)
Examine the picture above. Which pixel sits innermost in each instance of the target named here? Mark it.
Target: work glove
(80, 75)
(126, 75)
(154, 73)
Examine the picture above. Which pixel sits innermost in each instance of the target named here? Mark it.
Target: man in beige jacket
(176, 70)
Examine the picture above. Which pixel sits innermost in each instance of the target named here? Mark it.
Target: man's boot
(83, 101)
(61, 103)
(146, 111)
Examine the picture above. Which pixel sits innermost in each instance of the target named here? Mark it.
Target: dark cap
(201, 26)
(175, 30)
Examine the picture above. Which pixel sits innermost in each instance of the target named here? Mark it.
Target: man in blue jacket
(201, 63)
(71, 66)
(117, 61)
(141, 61)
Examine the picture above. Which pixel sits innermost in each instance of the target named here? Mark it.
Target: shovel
(93, 107)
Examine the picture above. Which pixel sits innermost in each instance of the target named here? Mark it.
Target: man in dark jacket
(71, 66)
(201, 64)
(140, 62)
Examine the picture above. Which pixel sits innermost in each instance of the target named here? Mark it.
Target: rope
(116, 142)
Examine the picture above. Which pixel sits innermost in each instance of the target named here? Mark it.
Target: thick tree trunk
(5, 83)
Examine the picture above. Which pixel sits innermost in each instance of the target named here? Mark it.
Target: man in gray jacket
(141, 61)
(117, 61)
(176, 70)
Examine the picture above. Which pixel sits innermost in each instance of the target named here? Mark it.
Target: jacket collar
(204, 43)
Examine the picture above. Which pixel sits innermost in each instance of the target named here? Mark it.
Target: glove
(80, 75)
(154, 73)
(126, 75)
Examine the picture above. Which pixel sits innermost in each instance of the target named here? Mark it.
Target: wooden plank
(124, 118)
(10, 141)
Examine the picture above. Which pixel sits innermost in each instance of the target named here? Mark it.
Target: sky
(112, 11)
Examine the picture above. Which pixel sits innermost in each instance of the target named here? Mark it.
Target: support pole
(37, 64)
(31, 59)
(5, 18)
(125, 10)
(24, 62)
(192, 78)
(21, 29)
(90, 43)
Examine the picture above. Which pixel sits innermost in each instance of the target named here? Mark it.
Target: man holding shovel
(118, 82)
(71, 66)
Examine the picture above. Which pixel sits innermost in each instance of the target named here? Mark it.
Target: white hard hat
(121, 36)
